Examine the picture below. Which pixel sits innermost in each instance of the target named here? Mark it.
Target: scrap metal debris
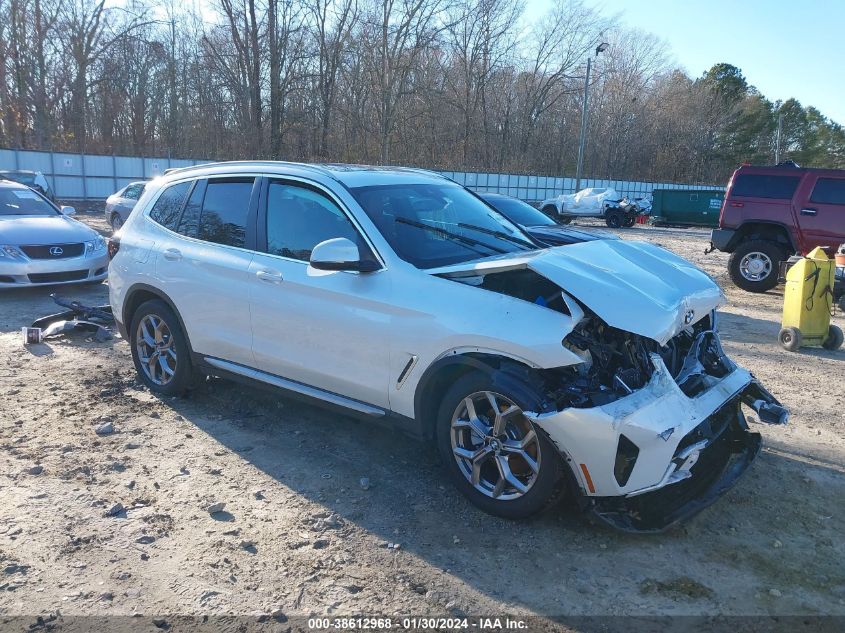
(76, 317)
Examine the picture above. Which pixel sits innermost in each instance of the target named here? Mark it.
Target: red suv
(771, 213)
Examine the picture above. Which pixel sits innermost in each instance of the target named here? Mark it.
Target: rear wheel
(630, 221)
(493, 453)
(160, 349)
(834, 338)
(753, 266)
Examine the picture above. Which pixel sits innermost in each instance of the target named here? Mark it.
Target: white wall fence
(87, 176)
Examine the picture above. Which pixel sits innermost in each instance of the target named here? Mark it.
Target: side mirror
(68, 211)
(340, 254)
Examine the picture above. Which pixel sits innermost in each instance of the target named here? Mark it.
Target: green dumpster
(693, 207)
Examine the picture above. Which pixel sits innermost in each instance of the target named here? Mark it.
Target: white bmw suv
(592, 369)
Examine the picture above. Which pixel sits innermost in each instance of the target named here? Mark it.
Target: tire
(790, 338)
(551, 211)
(170, 346)
(543, 485)
(564, 219)
(614, 218)
(754, 265)
(834, 338)
(629, 221)
(116, 222)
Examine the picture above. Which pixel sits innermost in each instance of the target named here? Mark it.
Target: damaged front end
(654, 434)
(647, 408)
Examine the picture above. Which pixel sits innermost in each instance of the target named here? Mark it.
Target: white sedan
(41, 245)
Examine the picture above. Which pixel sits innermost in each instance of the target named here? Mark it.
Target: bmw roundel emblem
(689, 316)
(55, 251)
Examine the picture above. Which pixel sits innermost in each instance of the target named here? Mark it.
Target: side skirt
(312, 395)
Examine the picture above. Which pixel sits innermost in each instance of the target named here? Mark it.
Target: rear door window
(829, 191)
(225, 210)
(169, 205)
(190, 220)
(764, 186)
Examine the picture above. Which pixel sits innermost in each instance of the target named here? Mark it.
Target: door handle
(270, 276)
(809, 211)
(173, 254)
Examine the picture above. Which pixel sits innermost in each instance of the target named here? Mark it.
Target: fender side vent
(626, 457)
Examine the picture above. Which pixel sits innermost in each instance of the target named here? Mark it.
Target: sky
(786, 48)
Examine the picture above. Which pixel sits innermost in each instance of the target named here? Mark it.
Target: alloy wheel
(755, 266)
(156, 349)
(495, 445)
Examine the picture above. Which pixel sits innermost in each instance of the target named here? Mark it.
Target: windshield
(23, 202)
(431, 225)
(519, 211)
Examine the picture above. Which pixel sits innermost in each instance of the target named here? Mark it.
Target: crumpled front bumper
(688, 450)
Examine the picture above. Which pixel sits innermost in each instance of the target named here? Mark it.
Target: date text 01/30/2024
(418, 623)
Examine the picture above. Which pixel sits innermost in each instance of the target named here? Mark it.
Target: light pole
(580, 165)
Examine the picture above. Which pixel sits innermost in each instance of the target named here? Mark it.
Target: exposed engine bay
(617, 363)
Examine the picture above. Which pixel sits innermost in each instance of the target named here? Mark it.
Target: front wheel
(493, 453)
(630, 221)
(614, 218)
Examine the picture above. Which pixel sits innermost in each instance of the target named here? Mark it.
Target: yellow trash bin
(807, 304)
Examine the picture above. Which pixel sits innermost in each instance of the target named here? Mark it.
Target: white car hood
(42, 229)
(633, 286)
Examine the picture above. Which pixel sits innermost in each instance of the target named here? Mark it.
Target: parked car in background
(605, 202)
(592, 369)
(587, 203)
(32, 179)
(41, 245)
(540, 226)
(120, 204)
(770, 213)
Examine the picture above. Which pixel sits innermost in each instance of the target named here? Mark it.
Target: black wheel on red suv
(754, 264)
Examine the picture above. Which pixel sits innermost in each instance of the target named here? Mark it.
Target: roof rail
(235, 163)
(419, 170)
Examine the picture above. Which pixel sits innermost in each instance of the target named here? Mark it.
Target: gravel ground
(326, 515)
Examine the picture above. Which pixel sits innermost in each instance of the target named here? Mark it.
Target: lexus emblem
(55, 251)
(689, 316)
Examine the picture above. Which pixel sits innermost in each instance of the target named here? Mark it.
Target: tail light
(114, 246)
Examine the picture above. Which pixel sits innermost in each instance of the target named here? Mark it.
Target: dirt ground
(300, 534)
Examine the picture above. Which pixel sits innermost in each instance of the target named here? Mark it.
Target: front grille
(52, 278)
(59, 251)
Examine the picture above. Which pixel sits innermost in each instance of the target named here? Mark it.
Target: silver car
(120, 204)
(41, 245)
